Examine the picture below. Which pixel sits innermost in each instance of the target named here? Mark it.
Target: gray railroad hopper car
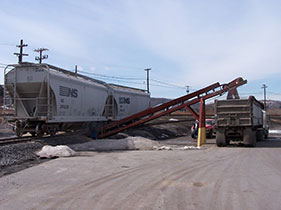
(240, 120)
(47, 99)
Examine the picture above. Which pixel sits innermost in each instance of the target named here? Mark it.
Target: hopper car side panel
(77, 100)
(129, 101)
(47, 99)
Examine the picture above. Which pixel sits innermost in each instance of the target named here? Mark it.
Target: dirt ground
(211, 177)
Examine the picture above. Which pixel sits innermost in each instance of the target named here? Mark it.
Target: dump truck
(240, 120)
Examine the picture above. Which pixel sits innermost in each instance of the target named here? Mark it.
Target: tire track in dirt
(69, 193)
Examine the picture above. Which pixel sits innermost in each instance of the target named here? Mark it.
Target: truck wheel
(220, 138)
(259, 135)
(249, 137)
(265, 134)
(210, 134)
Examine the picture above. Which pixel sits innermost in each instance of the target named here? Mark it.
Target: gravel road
(211, 178)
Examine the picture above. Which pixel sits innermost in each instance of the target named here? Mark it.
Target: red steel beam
(194, 101)
(162, 106)
(225, 87)
(195, 115)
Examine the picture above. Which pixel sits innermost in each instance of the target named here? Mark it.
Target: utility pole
(41, 57)
(147, 79)
(264, 95)
(21, 54)
(75, 70)
(187, 89)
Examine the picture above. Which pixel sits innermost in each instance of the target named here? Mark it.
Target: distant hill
(274, 107)
(271, 104)
(157, 101)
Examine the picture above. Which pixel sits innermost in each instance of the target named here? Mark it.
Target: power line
(3, 44)
(113, 77)
(124, 67)
(123, 79)
(250, 93)
(165, 83)
(273, 93)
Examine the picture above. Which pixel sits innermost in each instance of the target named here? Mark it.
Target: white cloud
(207, 50)
(39, 34)
(184, 42)
(92, 68)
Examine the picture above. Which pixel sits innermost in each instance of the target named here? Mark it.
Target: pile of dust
(162, 148)
(177, 148)
(129, 143)
(55, 151)
(190, 148)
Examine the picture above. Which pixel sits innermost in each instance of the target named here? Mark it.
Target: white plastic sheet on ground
(275, 131)
(55, 151)
(173, 120)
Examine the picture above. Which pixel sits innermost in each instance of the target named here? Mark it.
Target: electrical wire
(273, 93)
(121, 79)
(4, 44)
(169, 84)
(251, 93)
(113, 77)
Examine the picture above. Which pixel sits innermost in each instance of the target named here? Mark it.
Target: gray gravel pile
(129, 143)
(18, 153)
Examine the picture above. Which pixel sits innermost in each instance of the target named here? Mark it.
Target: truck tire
(260, 135)
(249, 137)
(265, 133)
(220, 138)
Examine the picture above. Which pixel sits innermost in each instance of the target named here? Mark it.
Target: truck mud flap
(249, 137)
(220, 138)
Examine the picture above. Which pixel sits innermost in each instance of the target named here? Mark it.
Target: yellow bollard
(202, 121)
(201, 136)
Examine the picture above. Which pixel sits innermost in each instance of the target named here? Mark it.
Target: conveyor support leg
(202, 127)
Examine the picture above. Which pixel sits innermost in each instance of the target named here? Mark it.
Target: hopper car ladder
(169, 107)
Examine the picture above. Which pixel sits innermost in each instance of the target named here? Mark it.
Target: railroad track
(15, 140)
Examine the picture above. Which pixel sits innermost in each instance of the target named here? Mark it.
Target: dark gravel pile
(18, 153)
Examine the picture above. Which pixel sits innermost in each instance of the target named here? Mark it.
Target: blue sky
(185, 42)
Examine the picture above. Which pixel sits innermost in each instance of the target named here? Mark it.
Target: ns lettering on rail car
(68, 92)
(123, 100)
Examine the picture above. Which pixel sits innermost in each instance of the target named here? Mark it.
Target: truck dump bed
(239, 112)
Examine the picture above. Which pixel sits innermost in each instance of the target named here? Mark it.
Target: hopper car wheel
(33, 134)
(39, 131)
(53, 132)
(18, 132)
